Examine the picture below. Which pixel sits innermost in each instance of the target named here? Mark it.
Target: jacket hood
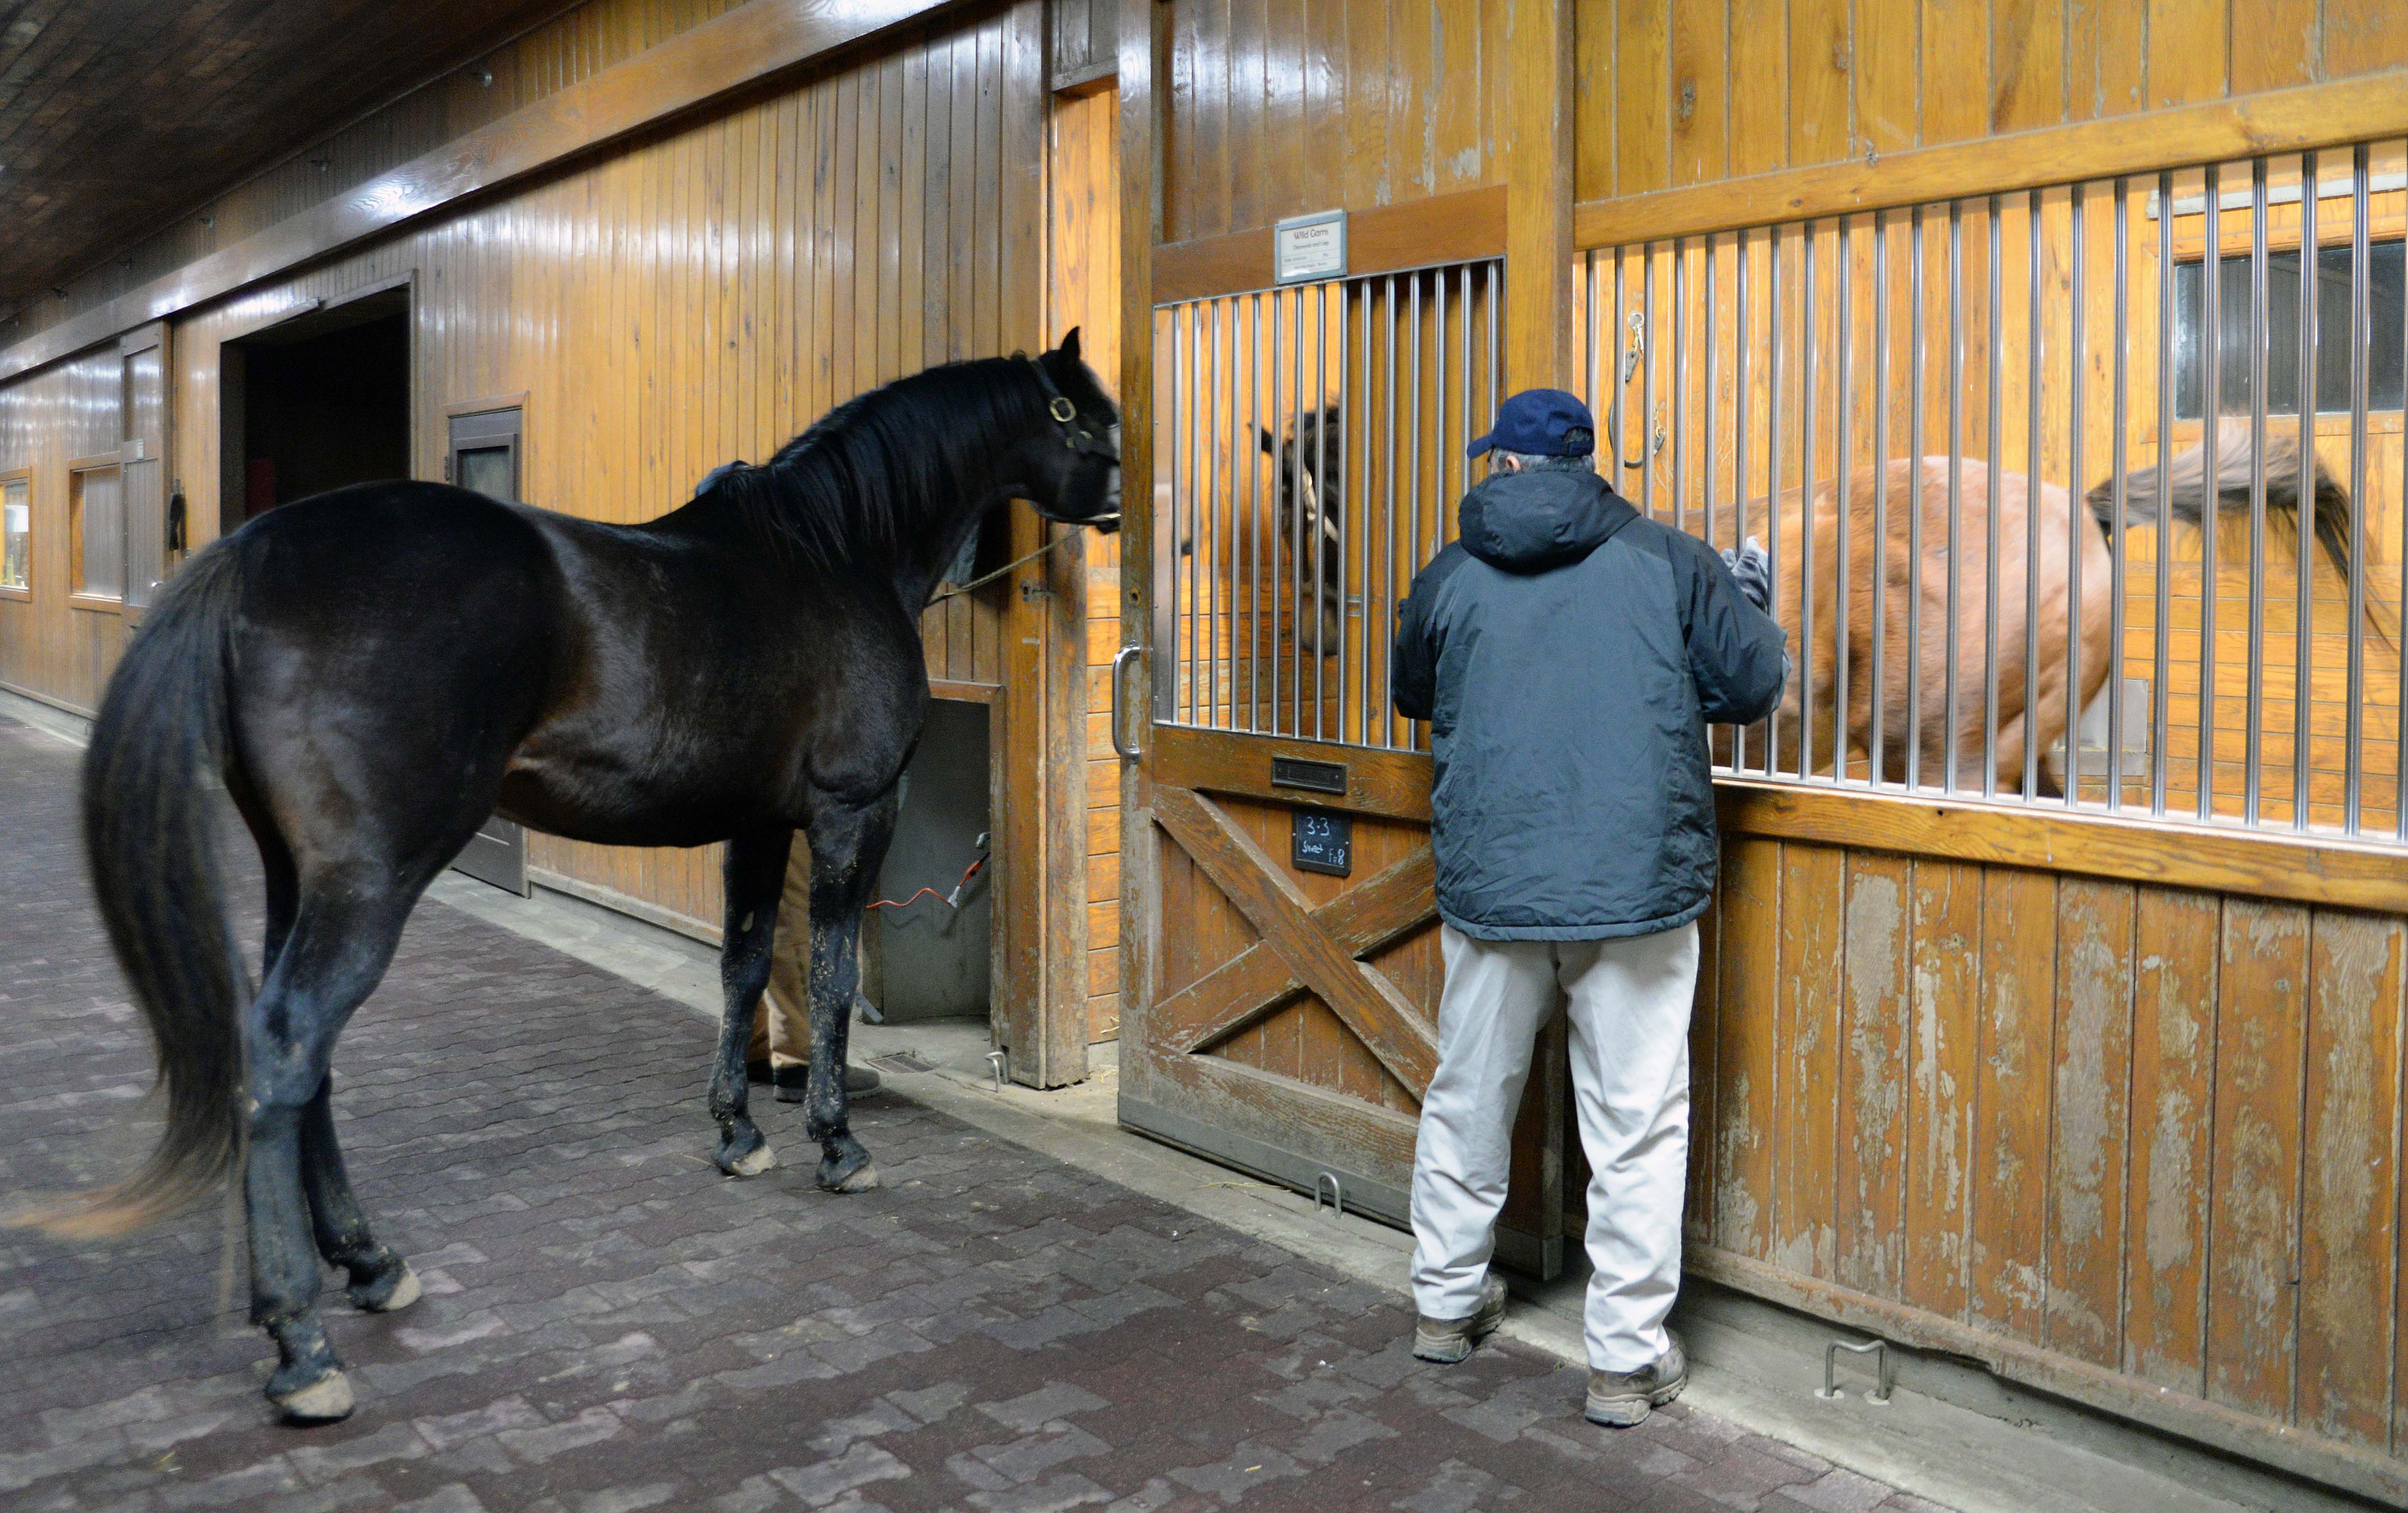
(1527, 522)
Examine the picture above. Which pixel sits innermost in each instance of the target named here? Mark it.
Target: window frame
(2387, 221)
(78, 468)
(24, 592)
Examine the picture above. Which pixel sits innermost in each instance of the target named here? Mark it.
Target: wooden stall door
(1289, 1025)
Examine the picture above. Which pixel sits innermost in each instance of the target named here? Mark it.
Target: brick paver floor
(609, 1325)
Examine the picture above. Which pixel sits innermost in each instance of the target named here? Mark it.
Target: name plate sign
(1305, 248)
(1320, 842)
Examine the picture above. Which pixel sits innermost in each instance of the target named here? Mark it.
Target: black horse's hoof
(848, 1172)
(389, 1289)
(327, 1399)
(743, 1153)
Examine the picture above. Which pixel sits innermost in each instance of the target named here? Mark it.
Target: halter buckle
(1063, 411)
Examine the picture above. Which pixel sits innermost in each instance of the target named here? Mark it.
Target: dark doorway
(316, 403)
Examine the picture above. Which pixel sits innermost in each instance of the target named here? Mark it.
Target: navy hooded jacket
(1568, 655)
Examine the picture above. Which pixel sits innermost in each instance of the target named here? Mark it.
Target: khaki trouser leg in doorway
(1628, 1001)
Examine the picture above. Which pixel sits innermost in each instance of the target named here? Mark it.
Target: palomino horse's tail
(2188, 495)
(150, 839)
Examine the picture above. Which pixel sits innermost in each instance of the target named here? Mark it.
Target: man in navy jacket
(1568, 655)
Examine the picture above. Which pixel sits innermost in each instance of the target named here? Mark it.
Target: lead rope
(983, 580)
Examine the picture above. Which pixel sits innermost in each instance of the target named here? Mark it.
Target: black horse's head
(1310, 490)
(1070, 467)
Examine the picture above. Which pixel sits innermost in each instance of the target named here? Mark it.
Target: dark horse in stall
(374, 671)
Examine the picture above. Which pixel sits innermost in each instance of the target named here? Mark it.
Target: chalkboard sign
(1321, 843)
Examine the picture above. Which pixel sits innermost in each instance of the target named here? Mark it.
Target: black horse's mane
(855, 491)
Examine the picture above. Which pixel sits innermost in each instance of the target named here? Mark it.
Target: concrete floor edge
(2019, 1452)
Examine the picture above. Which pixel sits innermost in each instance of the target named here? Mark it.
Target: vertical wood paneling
(1874, 1076)
(2089, 1097)
(1806, 1030)
(2176, 955)
(2253, 1252)
(2348, 1219)
(1945, 1019)
(1747, 1098)
(2010, 1118)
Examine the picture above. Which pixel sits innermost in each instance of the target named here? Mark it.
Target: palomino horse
(373, 671)
(2037, 596)
(1310, 502)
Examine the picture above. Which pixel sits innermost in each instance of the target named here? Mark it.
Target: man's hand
(1752, 571)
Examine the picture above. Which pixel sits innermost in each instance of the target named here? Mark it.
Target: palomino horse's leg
(848, 845)
(753, 877)
(338, 949)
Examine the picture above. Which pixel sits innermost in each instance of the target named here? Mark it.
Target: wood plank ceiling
(118, 115)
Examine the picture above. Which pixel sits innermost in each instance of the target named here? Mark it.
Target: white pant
(1629, 1006)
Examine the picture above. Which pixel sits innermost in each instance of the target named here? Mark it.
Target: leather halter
(1077, 434)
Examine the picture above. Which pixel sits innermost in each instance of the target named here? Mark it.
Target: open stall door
(1307, 445)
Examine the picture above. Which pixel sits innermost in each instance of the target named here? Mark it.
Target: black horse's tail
(2190, 499)
(150, 838)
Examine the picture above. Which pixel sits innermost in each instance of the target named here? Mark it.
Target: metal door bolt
(999, 1063)
(1877, 1349)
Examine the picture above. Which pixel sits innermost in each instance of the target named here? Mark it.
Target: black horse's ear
(1070, 345)
(1270, 447)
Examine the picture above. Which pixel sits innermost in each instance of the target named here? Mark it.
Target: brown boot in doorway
(1620, 1399)
(1447, 1341)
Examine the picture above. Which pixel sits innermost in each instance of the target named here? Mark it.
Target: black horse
(373, 671)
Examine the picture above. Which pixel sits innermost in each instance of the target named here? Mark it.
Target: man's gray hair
(1548, 462)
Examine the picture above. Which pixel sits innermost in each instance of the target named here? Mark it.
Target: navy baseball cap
(1540, 422)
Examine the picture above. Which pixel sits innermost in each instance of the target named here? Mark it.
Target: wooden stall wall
(1085, 291)
(1272, 111)
(1698, 90)
(2129, 1141)
(50, 649)
(704, 297)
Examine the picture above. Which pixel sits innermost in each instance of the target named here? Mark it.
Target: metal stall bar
(2078, 267)
(1739, 345)
(2362, 330)
(1679, 379)
(1209, 513)
(1955, 474)
(1876, 770)
(1315, 514)
(2115, 713)
(1183, 505)
(1915, 361)
(1806, 335)
(2211, 411)
(1772, 458)
(1647, 378)
(1995, 324)
(1413, 516)
(2033, 346)
(1255, 516)
(2161, 649)
(1388, 550)
(1293, 527)
(1439, 536)
(1844, 514)
(2252, 710)
(2302, 597)
(1706, 333)
(1358, 496)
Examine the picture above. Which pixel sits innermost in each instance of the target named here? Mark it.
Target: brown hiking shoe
(1449, 1340)
(1620, 1399)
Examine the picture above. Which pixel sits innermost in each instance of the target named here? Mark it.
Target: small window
(16, 535)
(2385, 295)
(96, 531)
(491, 471)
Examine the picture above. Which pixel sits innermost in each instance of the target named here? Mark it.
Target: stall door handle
(1125, 751)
